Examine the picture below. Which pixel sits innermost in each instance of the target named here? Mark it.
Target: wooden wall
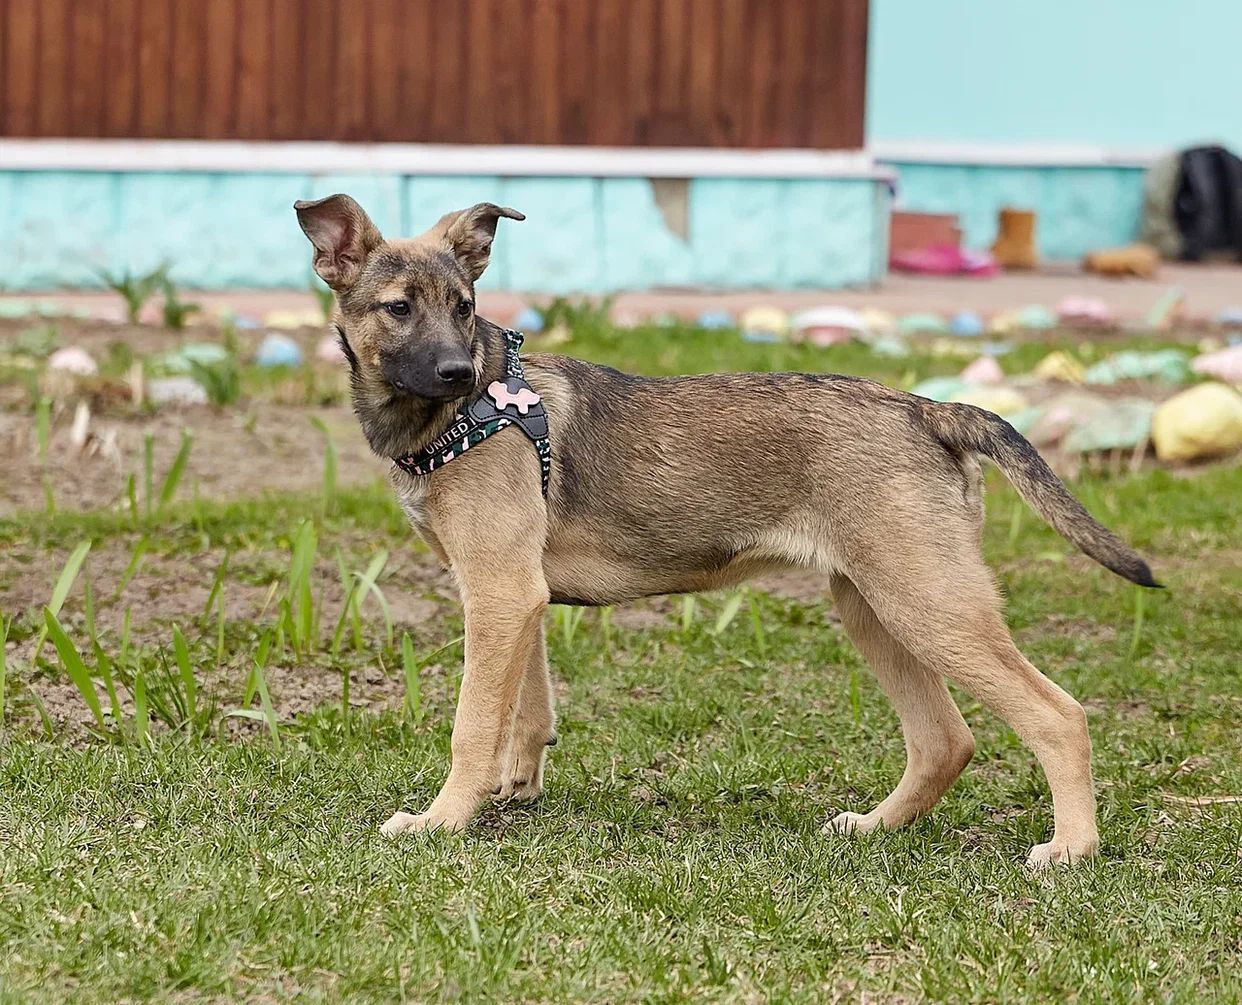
(715, 73)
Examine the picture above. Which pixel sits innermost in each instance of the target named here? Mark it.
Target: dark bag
(1208, 207)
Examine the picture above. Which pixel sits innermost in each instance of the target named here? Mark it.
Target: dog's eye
(398, 309)
(464, 308)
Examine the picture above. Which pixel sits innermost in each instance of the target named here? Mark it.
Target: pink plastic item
(985, 370)
(944, 260)
(1224, 365)
(1085, 310)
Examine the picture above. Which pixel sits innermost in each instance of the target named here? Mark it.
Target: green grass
(223, 849)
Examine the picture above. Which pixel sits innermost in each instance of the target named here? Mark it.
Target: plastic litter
(877, 322)
(1167, 365)
(176, 391)
(716, 319)
(205, 353)
(890, 346)
(1230, 317)
(292, 320)
(528, 320)
(1001, 400)
(1062, 413)
(983, 371)
(1166, 310)
(278, 350)
(1202, 421)
(910, 324)
(825, 326)
(967, 324)
(1025, 420)
(1033, 317)
(1121, 425)
(939, 388)
(73, 359)
(1224, 364)
(1085, 311)
(1061, 366)
(771, 320)
(944, 260)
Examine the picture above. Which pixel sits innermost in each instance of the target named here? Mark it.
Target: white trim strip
(1011, 154)
(429, 159)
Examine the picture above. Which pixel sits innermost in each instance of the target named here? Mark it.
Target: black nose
(454, 371)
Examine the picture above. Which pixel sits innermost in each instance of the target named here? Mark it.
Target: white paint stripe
(429, 159)
(1012, 154)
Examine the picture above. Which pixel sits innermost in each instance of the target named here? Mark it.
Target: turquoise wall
(1078, 209)
(1120, 73)
(585, 235)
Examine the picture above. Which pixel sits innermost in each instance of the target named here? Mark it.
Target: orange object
(1132, 260)
(1015, 241)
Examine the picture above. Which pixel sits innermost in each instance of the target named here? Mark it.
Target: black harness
(508, 402)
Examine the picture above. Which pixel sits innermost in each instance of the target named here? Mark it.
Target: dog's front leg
(534, 729)
(504, 616)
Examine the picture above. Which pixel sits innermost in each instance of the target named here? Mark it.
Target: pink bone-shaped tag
(503, 397)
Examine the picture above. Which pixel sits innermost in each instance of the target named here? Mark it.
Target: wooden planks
(713, 73)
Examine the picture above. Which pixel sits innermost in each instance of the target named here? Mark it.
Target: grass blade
(1140, 610)
(44, 718)
(68, 576)
(142, 718)
(43, 426)
(217, 584)
(135, 558)
(71, 660)
(413, 702)
(181, 653)
(687, 612)
(727, 613)
(173, 478)
(4, 667)
(329, 464)
(367, 584)
(148, 472)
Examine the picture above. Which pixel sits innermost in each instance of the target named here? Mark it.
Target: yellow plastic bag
(1203, 421)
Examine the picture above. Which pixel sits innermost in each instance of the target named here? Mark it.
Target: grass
(202, 842)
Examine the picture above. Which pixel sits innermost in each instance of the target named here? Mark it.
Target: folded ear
(469, 232)
(343, 236)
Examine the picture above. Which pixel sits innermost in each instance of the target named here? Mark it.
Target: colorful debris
(1200, 422)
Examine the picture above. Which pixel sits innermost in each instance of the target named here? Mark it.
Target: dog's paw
(409, 823)
(853, 823)
(521, 774)
(1059, 851)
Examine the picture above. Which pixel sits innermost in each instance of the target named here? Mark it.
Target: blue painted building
(1057, 106)
(969, 105)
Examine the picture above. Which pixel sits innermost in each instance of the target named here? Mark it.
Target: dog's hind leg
(533, 729)
(944, 609)
(939, 744)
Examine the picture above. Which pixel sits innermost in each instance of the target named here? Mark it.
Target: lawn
(214, 834)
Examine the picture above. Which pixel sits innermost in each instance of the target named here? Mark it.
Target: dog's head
(406, 308)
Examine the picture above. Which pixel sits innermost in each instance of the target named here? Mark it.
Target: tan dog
(692, 483)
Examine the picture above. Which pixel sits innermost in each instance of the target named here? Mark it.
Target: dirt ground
(1208, 289)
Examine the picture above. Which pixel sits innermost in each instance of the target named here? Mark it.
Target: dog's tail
(967, 428)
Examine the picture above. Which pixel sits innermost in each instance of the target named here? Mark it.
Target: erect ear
(469, 232)
(343, 236)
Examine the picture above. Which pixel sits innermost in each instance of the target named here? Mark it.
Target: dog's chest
(412, 495)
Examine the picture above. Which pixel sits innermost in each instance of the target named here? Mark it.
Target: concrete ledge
(431, 159)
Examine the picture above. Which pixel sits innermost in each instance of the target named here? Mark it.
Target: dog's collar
(508, 402)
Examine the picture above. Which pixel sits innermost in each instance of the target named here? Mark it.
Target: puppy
(614, 487)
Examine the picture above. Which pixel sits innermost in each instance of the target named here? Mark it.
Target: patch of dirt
(270, 448)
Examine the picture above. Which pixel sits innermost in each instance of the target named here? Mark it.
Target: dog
(670, 485)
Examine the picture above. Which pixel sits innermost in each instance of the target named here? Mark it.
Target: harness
(508, 402)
